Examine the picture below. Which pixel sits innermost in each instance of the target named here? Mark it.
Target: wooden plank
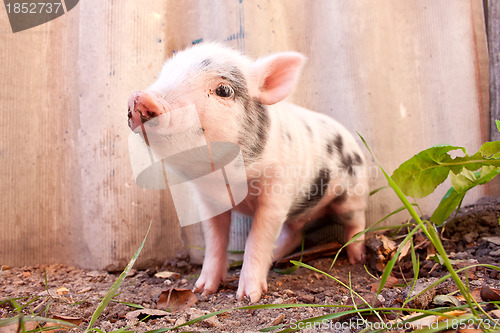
(493, 22)
(494, 52)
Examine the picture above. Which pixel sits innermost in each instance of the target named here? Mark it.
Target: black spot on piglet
(339, 143)
(313, 196)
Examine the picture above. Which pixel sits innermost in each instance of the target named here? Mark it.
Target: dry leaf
(443, 300)
(454, 313)
(431, 251)
(168, 275)
(404, 250)
(476, 295)
(84, 290)
(389, 246)
(496, 313)
(72, 320)
(64, 328)
(14, 328)
(175, 300)
(488, 294)
(62, 291)
(278, 320)
(391, 282)
(419, 323)
(139, 314)
(381, 249)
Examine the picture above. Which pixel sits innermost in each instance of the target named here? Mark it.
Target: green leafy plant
(420, 175)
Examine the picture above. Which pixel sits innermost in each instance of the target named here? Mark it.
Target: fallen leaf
(84, 290)
(404, 250)
(175, 300)
(382, 249)
(14, 328)
(395, 322)
(167, 275)
(278, 320)
(443, 300)
(26, 274)
(488, 294)
(142, 313)
(62, 291)
(391, 282)
(431, 251)
(476, 295)
(454, 313)
(72, 320)
(389, 246)
(64, 328)
(496, 313)
(423, 322)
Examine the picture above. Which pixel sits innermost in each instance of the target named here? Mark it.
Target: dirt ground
(73, 294)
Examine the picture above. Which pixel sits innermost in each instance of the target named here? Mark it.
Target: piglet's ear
(277, 75)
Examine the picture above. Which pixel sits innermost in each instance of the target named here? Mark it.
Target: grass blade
(114, 288)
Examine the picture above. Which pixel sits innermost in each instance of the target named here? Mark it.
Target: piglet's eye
(224, 91)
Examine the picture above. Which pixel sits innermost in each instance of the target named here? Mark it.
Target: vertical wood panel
(123, 50)
(493, 13)
(38, 146)
(407, 75)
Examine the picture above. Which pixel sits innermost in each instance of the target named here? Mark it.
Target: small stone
(470, 237)
(495, 240)
(132, 272)
(84, 290)
(183, 255)
(306, 298)
(460, 255)
(181, 320)
(96, 274)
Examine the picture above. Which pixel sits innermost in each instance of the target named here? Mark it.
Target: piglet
(299, 164)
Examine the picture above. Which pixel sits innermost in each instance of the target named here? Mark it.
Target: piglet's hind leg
(351, 212)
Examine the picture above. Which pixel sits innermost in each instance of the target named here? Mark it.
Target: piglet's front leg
(216, 232)
(259, 246)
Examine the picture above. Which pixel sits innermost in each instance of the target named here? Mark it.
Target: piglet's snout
(143, 106)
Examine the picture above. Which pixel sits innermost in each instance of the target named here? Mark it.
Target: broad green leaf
(420, 175)
(448, 204)
(490, 149)
(487, 174)
(461, 184)
(463, 180)
(498, 124)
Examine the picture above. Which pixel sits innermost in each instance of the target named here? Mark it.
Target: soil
(472, 237)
